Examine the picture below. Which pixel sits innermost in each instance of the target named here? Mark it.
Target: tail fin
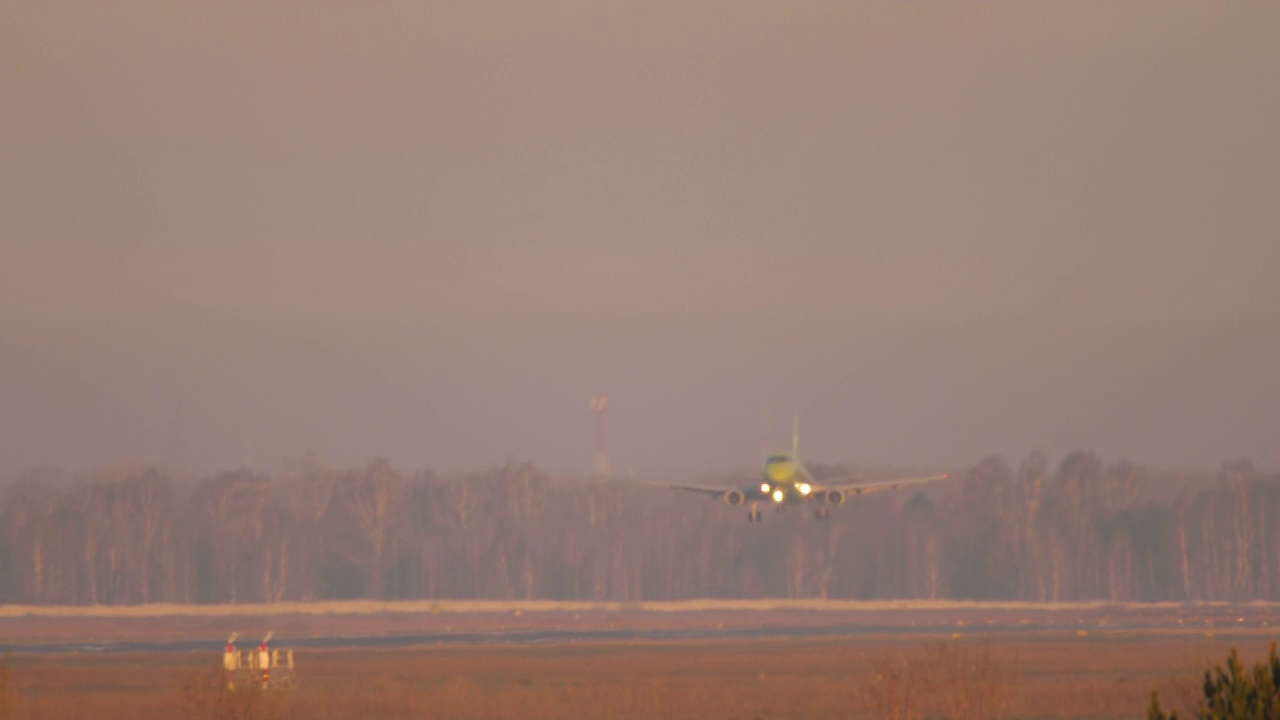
(795, 437)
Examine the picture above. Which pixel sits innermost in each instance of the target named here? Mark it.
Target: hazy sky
(430, 232)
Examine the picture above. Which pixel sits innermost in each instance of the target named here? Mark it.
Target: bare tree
(372, 496)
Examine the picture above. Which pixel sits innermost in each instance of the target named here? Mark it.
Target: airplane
(787, 482)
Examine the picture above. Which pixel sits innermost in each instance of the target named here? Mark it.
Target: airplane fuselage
(783, 481)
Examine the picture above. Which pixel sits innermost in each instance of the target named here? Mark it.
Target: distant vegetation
(1085, 531)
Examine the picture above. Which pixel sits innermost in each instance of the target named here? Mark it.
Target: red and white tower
(599, 405)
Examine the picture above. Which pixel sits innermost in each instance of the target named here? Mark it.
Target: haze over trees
(1085, 530)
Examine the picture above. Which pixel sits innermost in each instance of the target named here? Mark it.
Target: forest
(1085, 530)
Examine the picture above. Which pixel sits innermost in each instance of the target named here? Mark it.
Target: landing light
(764, 487)
(804, 488)
(778, 495)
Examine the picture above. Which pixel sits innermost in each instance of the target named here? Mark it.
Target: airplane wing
(712, 491)
(733, 494)
(859, 487)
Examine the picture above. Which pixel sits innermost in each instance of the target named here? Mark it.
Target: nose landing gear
(753, 515)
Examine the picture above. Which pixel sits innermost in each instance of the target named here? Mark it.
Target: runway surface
(1066, 627)
(46, 630)
(376, 642)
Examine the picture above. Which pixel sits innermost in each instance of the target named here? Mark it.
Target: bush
(1231, 693)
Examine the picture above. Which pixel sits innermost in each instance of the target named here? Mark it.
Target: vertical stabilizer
(795, 437)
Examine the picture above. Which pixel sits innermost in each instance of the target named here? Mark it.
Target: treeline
(1082, 531)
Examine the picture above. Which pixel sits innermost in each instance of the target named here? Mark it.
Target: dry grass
(209, 695)
(947, 681)
(6, 694)
(896, 677)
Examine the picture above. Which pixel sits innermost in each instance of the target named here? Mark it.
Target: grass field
(1056, 675)
(906, 661)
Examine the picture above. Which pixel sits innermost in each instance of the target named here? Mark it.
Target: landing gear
(753, 515)
(822, 513)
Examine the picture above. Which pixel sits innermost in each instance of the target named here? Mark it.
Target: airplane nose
(780, 472)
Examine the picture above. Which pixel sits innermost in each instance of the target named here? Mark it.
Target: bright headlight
(804, 488)
(778, 495)
(764, 487)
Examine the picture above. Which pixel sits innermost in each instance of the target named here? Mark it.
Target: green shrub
(1231, 693)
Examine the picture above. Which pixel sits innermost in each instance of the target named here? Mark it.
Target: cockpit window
(778, 459)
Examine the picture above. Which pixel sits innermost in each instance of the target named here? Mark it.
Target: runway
(1048, 624)
(390, 642)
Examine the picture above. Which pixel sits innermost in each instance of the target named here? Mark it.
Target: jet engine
(835, 497)
(734, 498)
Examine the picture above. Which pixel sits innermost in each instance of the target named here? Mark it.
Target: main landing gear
(822, 512)
(754, 515)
